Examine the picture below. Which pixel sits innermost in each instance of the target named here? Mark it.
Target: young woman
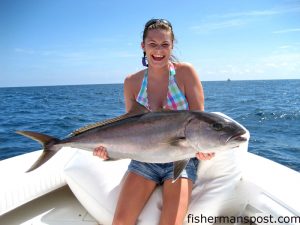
(164, 84)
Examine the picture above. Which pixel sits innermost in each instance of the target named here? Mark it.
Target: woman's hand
(101, 152)
(205, 156)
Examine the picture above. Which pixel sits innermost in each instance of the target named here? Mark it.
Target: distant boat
(228, 79)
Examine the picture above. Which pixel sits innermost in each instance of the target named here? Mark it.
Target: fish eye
(217, 126)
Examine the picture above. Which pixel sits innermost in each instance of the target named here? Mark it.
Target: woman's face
(158, 46)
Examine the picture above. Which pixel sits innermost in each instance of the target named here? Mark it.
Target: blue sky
(54, 42)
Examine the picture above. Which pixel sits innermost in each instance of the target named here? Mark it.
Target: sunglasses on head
(154, 21)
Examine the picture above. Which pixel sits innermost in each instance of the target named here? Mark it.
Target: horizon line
(87, 84)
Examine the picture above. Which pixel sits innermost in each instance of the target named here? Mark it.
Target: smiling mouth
(158, 57)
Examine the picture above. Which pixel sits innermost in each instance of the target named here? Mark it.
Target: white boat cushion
(97, 183)
(18, 187)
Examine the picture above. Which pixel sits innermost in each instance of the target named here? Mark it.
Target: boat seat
(18, 187)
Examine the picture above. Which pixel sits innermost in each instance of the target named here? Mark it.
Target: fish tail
(47, 142)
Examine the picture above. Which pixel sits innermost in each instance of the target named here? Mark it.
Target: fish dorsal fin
(97, 124)
(164, 110)
(137, 109)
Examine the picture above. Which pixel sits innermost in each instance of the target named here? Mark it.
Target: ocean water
(270, 110)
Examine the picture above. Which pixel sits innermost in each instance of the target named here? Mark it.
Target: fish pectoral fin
(178, 142)
(179, 166)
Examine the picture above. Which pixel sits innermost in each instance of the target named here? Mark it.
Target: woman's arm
(193, 88)
(194, 93)
(128, 93)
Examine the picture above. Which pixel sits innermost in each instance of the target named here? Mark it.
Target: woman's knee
(176, 197)
(132, 200)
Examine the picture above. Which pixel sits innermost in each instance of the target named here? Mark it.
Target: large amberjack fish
(153, 137)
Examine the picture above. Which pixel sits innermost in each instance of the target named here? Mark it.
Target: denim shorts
(159, 172)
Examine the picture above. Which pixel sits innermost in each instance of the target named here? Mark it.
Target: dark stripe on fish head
(211, 131)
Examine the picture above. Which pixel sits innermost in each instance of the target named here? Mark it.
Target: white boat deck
(42, 197)
(59, 207)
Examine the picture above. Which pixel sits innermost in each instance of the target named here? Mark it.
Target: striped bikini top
(175, 98)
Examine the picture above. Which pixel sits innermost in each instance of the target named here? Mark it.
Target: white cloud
(253, 13)
(262, 13)
(285, 46)
(288, 62)
(124, 54)
(272, 66)
(76, 58)
(24, 51)
(286, 31)
(239, 19)
(213, 26)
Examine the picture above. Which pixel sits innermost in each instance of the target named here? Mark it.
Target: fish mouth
(238, 137)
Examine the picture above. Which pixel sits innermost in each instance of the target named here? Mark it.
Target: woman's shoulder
(183, 65)
(134, 81)
(135, 77)
(185, 71)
